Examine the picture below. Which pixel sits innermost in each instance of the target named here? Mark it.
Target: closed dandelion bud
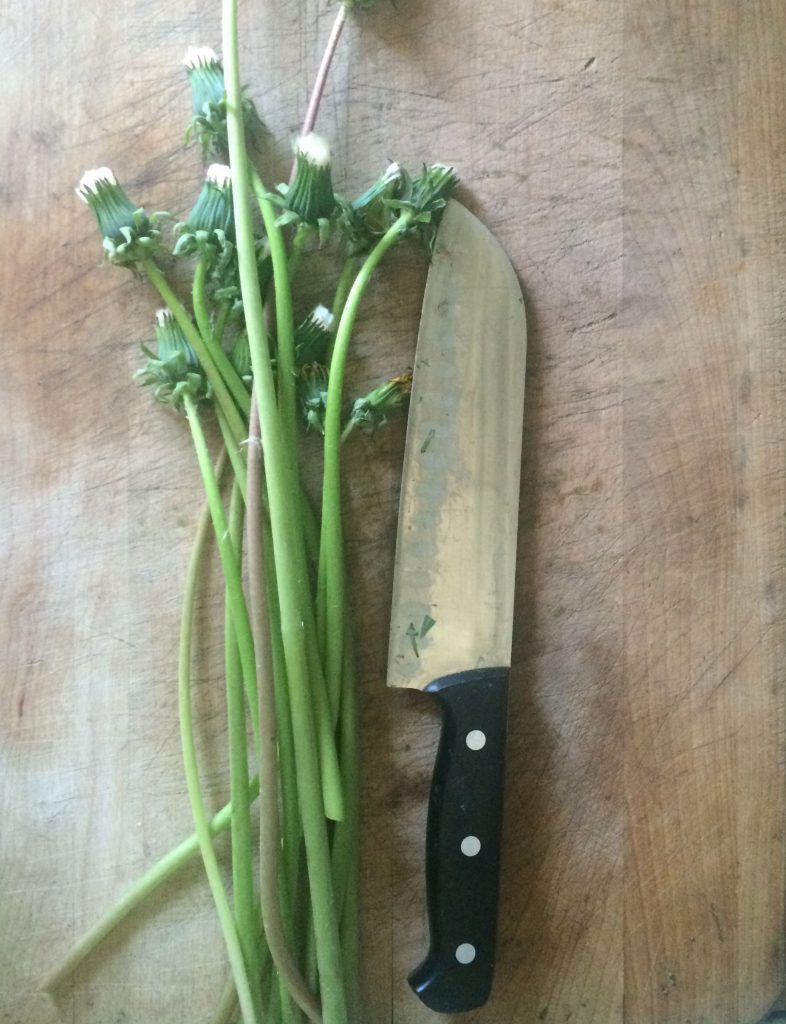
(210, 223)
(372, 411)
(423, 199)
(206, 77)
(310, 195)
(312, 388)
(170, 340)
(313, 336)
(129, 234)
(432, 189)
(208, 99)
(367, 218)
(208, 103)
(173, 370)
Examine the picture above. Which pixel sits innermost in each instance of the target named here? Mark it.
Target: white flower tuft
(219, 175)
(163, 316)
(200, 56)
(322, 316)
(90, 180)
(392, 172)
(314, 148)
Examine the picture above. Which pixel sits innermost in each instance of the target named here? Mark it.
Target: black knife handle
(463, 841)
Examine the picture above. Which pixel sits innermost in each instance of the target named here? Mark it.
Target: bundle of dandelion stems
(245, 355)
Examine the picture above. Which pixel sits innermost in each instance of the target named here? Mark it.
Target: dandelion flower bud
(366, 219)
(208, 102)
(173, 370)
(311, 195)
(312, 388)
(129, 234)
(313, 336)
(206, 76)
(372, 411)
(210, 222)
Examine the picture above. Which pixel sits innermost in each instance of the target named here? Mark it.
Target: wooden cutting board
(631, 159)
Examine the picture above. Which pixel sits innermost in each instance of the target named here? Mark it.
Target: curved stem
(155, 876)
(212, 870)
(230, 565)
(330, 591)
(346, 277)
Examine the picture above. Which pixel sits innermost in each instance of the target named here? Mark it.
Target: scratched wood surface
(632, 160)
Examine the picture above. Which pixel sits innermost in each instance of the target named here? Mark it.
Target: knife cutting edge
(452, 610)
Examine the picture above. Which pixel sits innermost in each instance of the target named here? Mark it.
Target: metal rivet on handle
(465, 953)
(476, 739)
(470, 846)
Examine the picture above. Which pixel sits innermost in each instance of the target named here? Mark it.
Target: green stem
(269, 817)
(155, 876)
(234, 949)
(348, 428)
(194, 338)
(346, 839)
(302, 235)
(292, 831)
(285, 361)
(230, 565)
(229, 374)
(346, 277)
(224, 309)
(331, 590)
(233, 450)
(287, 553)
(227, 1008)
(285, 325)
(242, 846)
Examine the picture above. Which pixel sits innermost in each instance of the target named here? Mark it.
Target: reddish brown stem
(319, 82)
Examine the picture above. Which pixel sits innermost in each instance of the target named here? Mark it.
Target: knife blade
(452, 609)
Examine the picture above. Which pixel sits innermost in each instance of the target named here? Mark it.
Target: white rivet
(476, 739)
(465, 953)
(470, 846)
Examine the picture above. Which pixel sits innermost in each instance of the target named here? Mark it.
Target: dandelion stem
(288, 555)
(231, 939)
(211, 339)
(331, 595)
(324, 68)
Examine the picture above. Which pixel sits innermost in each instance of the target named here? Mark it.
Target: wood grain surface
(631, 158)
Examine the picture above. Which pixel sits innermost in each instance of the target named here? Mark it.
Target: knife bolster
(463, 841)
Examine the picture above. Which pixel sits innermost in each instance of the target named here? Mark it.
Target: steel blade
(456, 548)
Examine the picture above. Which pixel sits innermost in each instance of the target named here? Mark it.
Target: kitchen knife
(452, 612)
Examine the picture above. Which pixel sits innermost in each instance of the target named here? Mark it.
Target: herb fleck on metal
(416, 634)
